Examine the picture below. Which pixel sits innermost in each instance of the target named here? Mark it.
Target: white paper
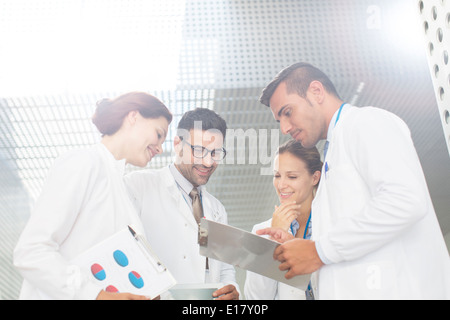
(245, 250)
(150, 276)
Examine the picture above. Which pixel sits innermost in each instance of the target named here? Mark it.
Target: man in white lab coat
(166, 209)
(375, 233)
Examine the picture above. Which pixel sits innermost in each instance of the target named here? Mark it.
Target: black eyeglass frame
(205, 151)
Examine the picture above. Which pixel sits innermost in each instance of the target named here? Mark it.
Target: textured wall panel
(435, 15)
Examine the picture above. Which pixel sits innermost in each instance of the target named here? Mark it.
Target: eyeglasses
(200, 152)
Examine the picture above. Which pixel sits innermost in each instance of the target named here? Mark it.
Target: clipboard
(245, 250)
(125, 262)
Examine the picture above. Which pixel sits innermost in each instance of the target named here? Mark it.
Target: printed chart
(123, 263)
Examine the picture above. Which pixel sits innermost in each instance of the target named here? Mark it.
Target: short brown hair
(209, 120)
(298, 77)
(109, 114)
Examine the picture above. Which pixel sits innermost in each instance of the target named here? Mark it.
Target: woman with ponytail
(296, 178)
(84, 199)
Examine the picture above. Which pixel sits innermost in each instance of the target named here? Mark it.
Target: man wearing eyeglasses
(171, 201)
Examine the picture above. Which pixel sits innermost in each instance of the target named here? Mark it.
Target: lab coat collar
(118, 165)
(210, 211)
(178, 185)
(182, 182)
(333, 123)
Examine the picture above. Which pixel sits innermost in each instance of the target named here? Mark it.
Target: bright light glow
(74, 46)
(402, 25)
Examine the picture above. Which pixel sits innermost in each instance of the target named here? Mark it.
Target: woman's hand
(276, 234)
(285, 214)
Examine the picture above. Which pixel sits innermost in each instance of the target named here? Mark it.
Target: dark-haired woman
(296, 177)
(84, 200)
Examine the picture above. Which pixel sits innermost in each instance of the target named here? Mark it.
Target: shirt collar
(294, 227)
(182, 182)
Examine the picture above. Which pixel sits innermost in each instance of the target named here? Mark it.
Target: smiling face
(197, 170)
(146, 139)
(292, 180)
(299, 117)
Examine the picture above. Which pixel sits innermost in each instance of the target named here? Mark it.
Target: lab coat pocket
(345, 202)
(370, 280)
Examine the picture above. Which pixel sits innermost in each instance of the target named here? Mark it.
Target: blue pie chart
(120, 258)
(136, 279)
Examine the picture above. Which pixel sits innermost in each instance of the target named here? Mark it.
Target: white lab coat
(171, 228)
(373, 215)
(83, 201)
(258, 287)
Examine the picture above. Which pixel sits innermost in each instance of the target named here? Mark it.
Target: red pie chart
(111, 289)
(98, 272)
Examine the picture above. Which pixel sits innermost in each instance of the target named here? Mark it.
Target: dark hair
(109, 114)
(207, 118)
(310, 156)
(298, 77)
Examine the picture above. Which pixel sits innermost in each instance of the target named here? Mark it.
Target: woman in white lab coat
(296, 177)
(84, 200)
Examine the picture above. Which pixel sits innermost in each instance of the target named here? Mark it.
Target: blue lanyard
(339, 113)
(306, 227)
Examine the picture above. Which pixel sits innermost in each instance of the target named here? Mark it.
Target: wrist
(280, 224)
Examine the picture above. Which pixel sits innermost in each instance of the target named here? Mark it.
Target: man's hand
(228, 292)
(297, 257)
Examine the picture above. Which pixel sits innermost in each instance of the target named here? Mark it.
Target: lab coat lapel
(209, 210)
(206, 203)
(169, 182)
(185, 210)
(175, 194)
